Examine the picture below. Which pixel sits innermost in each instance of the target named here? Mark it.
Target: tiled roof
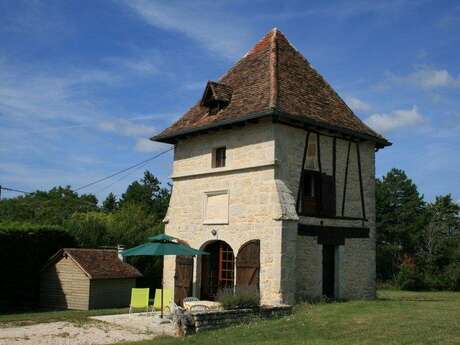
(99, 263)
(273, 78)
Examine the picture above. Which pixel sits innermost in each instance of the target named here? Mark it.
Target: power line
(11, 190)
(123, 170)
(14, 190)
(119, 179)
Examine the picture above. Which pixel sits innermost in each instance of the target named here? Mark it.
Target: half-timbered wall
(356, 258)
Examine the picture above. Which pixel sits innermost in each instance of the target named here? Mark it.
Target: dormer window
(216, 97)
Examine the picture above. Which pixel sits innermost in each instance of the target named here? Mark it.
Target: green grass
(396, 317)
(77, 316)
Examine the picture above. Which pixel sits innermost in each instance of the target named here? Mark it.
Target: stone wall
(308, 268)
(204, 321)
(254, 205)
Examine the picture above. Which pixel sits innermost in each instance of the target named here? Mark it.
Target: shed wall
(64, 285)
(110, 293)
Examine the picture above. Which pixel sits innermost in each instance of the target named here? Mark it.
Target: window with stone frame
(220, 156)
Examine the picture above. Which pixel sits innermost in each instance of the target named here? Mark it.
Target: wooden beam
(346, 179)
(318, 153)
(361, 189)
(307, 136)
(334, 167)
(340, 218)
(332, 235)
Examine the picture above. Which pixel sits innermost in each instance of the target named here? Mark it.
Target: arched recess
(248, 265)
(217, 269)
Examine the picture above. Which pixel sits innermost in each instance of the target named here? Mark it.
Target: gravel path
(106, 330)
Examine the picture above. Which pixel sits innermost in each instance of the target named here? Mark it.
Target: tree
(110, 203)
(400, 217)
(90, 229)
(147, 192)
(51, 207)
(439, 240)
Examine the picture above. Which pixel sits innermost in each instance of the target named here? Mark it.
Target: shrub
(238, 298)
(451, 276)
(24, 250)
(408, 278)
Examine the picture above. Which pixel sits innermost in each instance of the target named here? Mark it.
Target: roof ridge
(91, 249)
(273, 104)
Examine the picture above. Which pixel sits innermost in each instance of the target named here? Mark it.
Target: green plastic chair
(139, 299)
(167, 300)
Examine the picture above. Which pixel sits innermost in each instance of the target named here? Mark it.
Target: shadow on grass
(410, 299)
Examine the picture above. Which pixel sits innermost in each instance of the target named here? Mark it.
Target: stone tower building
(273, 175)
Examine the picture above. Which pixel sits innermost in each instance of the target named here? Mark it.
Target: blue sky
(83, 84)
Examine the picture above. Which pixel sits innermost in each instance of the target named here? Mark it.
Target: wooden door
(183, 280)
(329, 271)
(248, 265)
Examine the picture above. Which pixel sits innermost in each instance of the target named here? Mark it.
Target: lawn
(394, 318)
(30, 318)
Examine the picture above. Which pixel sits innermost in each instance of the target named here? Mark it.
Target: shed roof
(97, 263)
(273, 78)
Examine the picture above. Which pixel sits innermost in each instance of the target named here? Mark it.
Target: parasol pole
(161, 315)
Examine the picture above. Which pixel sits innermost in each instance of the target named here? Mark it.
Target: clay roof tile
(273, 77)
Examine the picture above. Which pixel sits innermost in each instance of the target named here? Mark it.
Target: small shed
(87, 279)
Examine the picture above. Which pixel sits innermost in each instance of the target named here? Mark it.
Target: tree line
(418, 242)
(128, 220)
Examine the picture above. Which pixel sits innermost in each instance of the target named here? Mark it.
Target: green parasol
(162, 245)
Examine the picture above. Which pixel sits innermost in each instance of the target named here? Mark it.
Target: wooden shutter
(183, 279)
(311, 193)
(328, 201)
(248, 265)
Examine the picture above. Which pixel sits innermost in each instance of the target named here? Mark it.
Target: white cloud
(39, 105)
(34, 96)
(427, 78)
(146, 145)
(126, 128)
(208, 23)
(358, 105)
(143, 65)
(387, 122)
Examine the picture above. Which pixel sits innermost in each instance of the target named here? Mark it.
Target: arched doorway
(217, 269)
(248, 265)
(183, 279)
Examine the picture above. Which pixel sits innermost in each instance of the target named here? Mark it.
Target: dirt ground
(99, 330)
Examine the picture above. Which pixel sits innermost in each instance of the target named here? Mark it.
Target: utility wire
(13, 190)
(119, 179)
(124, 170)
